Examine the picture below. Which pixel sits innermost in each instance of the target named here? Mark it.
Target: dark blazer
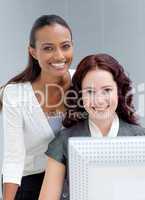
(58, 149)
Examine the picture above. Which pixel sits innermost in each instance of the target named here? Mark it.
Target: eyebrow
(89, 87)
(106, 86)
(48, 43)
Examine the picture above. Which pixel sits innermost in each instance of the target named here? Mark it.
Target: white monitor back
(107, 169)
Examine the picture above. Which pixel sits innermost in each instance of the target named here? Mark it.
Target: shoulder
(76, 130)
(13, 91)
(59, 145)
(15, 87)
(73, 131)
(131, 129)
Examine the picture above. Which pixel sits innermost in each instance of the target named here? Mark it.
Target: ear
(32, 52)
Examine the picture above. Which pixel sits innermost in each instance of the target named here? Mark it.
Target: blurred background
(110, 26)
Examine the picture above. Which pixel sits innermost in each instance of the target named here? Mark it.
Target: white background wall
(114, 26)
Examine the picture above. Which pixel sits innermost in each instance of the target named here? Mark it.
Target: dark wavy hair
(125, 108)
(32, 70)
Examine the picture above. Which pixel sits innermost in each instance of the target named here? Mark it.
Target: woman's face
(54, 49)
(99, 94)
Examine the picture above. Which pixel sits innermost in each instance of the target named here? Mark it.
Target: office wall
(114, 26)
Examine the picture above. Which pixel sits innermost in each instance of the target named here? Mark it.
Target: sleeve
(14, 148)
(56, 149)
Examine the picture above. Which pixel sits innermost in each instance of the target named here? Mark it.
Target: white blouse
(27, 133)
(95, 131)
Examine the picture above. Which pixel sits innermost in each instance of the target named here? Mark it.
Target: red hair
(125, 108)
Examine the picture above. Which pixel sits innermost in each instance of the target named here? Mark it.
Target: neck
(104, 125)
(44, 78)
(52, 88)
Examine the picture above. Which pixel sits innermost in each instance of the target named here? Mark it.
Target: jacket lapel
(125, 129)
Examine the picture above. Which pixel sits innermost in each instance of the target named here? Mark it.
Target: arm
(9, 191)
(14, 148)
(53, 180)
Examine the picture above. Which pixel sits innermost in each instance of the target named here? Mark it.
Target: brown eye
(66, 46)
(90, 92)
(48, 48)
(108, 89)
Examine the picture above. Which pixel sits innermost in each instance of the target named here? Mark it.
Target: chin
(101, 116)
(58, 73)
(61, 71)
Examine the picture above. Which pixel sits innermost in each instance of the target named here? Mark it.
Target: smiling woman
(100, 96)
(105, 89)
(103, 108)
(29, 102)
(53, 50)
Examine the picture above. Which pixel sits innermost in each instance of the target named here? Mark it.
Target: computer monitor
(107, 169)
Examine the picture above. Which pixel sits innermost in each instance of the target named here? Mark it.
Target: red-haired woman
(99, 105)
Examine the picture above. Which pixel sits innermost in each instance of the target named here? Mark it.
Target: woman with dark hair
(33, 108)
(99, 104)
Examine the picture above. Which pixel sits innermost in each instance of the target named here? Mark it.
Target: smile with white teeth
(100, 109)
(58, 65)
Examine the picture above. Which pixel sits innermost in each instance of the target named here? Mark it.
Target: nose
(58, 55)
(100, 100)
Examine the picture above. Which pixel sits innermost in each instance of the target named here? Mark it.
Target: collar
(95, 131)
